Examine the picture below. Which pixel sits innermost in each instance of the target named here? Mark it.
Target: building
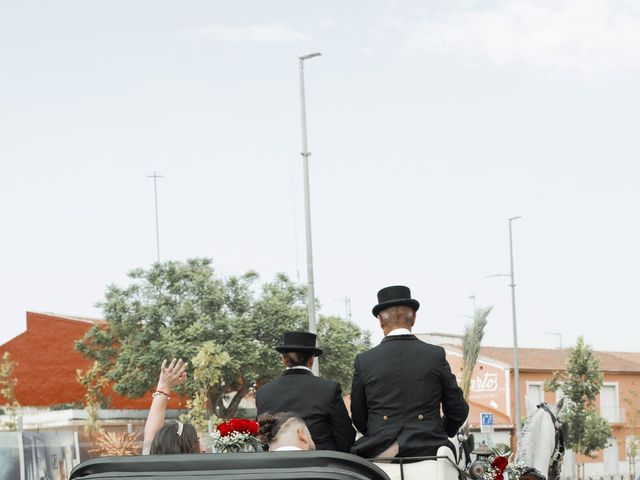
(493, 387)
(46, 374)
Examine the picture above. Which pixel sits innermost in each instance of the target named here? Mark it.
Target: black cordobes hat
(299, 342)
(392, 296)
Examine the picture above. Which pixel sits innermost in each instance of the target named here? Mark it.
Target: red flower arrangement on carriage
(236, 435)
(499, 465)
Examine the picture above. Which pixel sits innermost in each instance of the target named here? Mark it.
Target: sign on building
(486, 422)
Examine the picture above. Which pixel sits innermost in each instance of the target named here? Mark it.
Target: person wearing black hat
(317, 401)
(401, 386)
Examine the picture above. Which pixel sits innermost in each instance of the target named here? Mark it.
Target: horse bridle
(555, 465)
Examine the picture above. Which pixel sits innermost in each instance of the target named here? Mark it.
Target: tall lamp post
(516, 369)
(311, 297)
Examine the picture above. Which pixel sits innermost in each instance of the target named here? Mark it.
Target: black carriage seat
(314, 465)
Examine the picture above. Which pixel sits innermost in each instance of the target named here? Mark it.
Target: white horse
(541, 444)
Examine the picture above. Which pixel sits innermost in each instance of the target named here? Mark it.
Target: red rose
(244, 425)
(224, 429)
(237, 424)
(253, 427)
(500, 463)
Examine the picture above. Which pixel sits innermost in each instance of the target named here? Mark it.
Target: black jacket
(316, 400)
(398, 390)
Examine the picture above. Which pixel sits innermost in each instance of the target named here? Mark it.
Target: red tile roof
(543, 359)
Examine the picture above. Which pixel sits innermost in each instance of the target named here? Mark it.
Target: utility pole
(155, 191)
(347, 307)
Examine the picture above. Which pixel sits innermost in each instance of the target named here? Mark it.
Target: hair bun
(265, 422)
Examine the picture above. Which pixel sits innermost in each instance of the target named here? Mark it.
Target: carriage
(260, 465)
(542, 431)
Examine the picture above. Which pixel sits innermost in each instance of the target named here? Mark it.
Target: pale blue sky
(430, 123)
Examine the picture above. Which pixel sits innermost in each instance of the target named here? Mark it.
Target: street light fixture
(311, 296)
(516, 369)
(307, 56)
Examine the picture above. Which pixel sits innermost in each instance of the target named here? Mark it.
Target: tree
(173, 308)
(580, 385)
(340, 340)
(207, 371)
(633, 426)
(471, 346)
(8, 384)
(94, 380)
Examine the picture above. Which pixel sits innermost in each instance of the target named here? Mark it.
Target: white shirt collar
(286, 448)
(399, 331)
(300, 367)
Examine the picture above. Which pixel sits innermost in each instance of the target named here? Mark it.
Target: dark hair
(296, 359)
(167, 441)
(270, 425)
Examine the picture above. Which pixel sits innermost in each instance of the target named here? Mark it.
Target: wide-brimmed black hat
(392, 296)
(299, 342)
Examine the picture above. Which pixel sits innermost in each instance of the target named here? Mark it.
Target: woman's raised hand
(171, 375)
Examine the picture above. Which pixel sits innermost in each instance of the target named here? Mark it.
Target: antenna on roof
(556, 334)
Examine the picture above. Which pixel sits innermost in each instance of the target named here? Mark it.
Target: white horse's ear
(531, 406)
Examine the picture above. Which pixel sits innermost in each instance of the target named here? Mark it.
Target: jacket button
(385, 418)
(420, 417)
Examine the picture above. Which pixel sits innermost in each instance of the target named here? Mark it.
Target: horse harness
(555, 465)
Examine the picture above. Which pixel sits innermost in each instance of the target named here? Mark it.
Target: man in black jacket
(400, 386)
(316, 400)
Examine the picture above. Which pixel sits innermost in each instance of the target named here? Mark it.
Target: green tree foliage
(581, 384)
(207, 371)
(340, 340)
(633, 425)
(93, 380)
(8, 384)
(173, 308)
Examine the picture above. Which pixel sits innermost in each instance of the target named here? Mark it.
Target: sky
(430, 124)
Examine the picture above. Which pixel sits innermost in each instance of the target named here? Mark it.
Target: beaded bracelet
(157, 393)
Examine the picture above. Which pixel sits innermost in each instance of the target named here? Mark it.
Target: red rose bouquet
(236, 435)
(499, 465)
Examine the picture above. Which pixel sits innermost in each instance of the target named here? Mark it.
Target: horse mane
(524, 453)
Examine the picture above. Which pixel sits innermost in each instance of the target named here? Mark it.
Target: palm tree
(471, 346)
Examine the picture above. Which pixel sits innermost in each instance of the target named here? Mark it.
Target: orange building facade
(493, 391)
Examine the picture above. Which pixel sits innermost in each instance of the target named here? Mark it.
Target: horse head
(539, 446)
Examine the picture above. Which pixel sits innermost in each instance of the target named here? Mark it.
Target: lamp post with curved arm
(516, 369)
(311, 296)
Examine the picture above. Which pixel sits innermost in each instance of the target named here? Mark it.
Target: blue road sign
(486, 422)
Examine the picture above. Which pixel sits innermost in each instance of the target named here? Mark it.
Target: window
(535, 393)
(609, 408)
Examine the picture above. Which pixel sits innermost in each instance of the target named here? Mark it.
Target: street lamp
(516, 369)
(311, 297)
